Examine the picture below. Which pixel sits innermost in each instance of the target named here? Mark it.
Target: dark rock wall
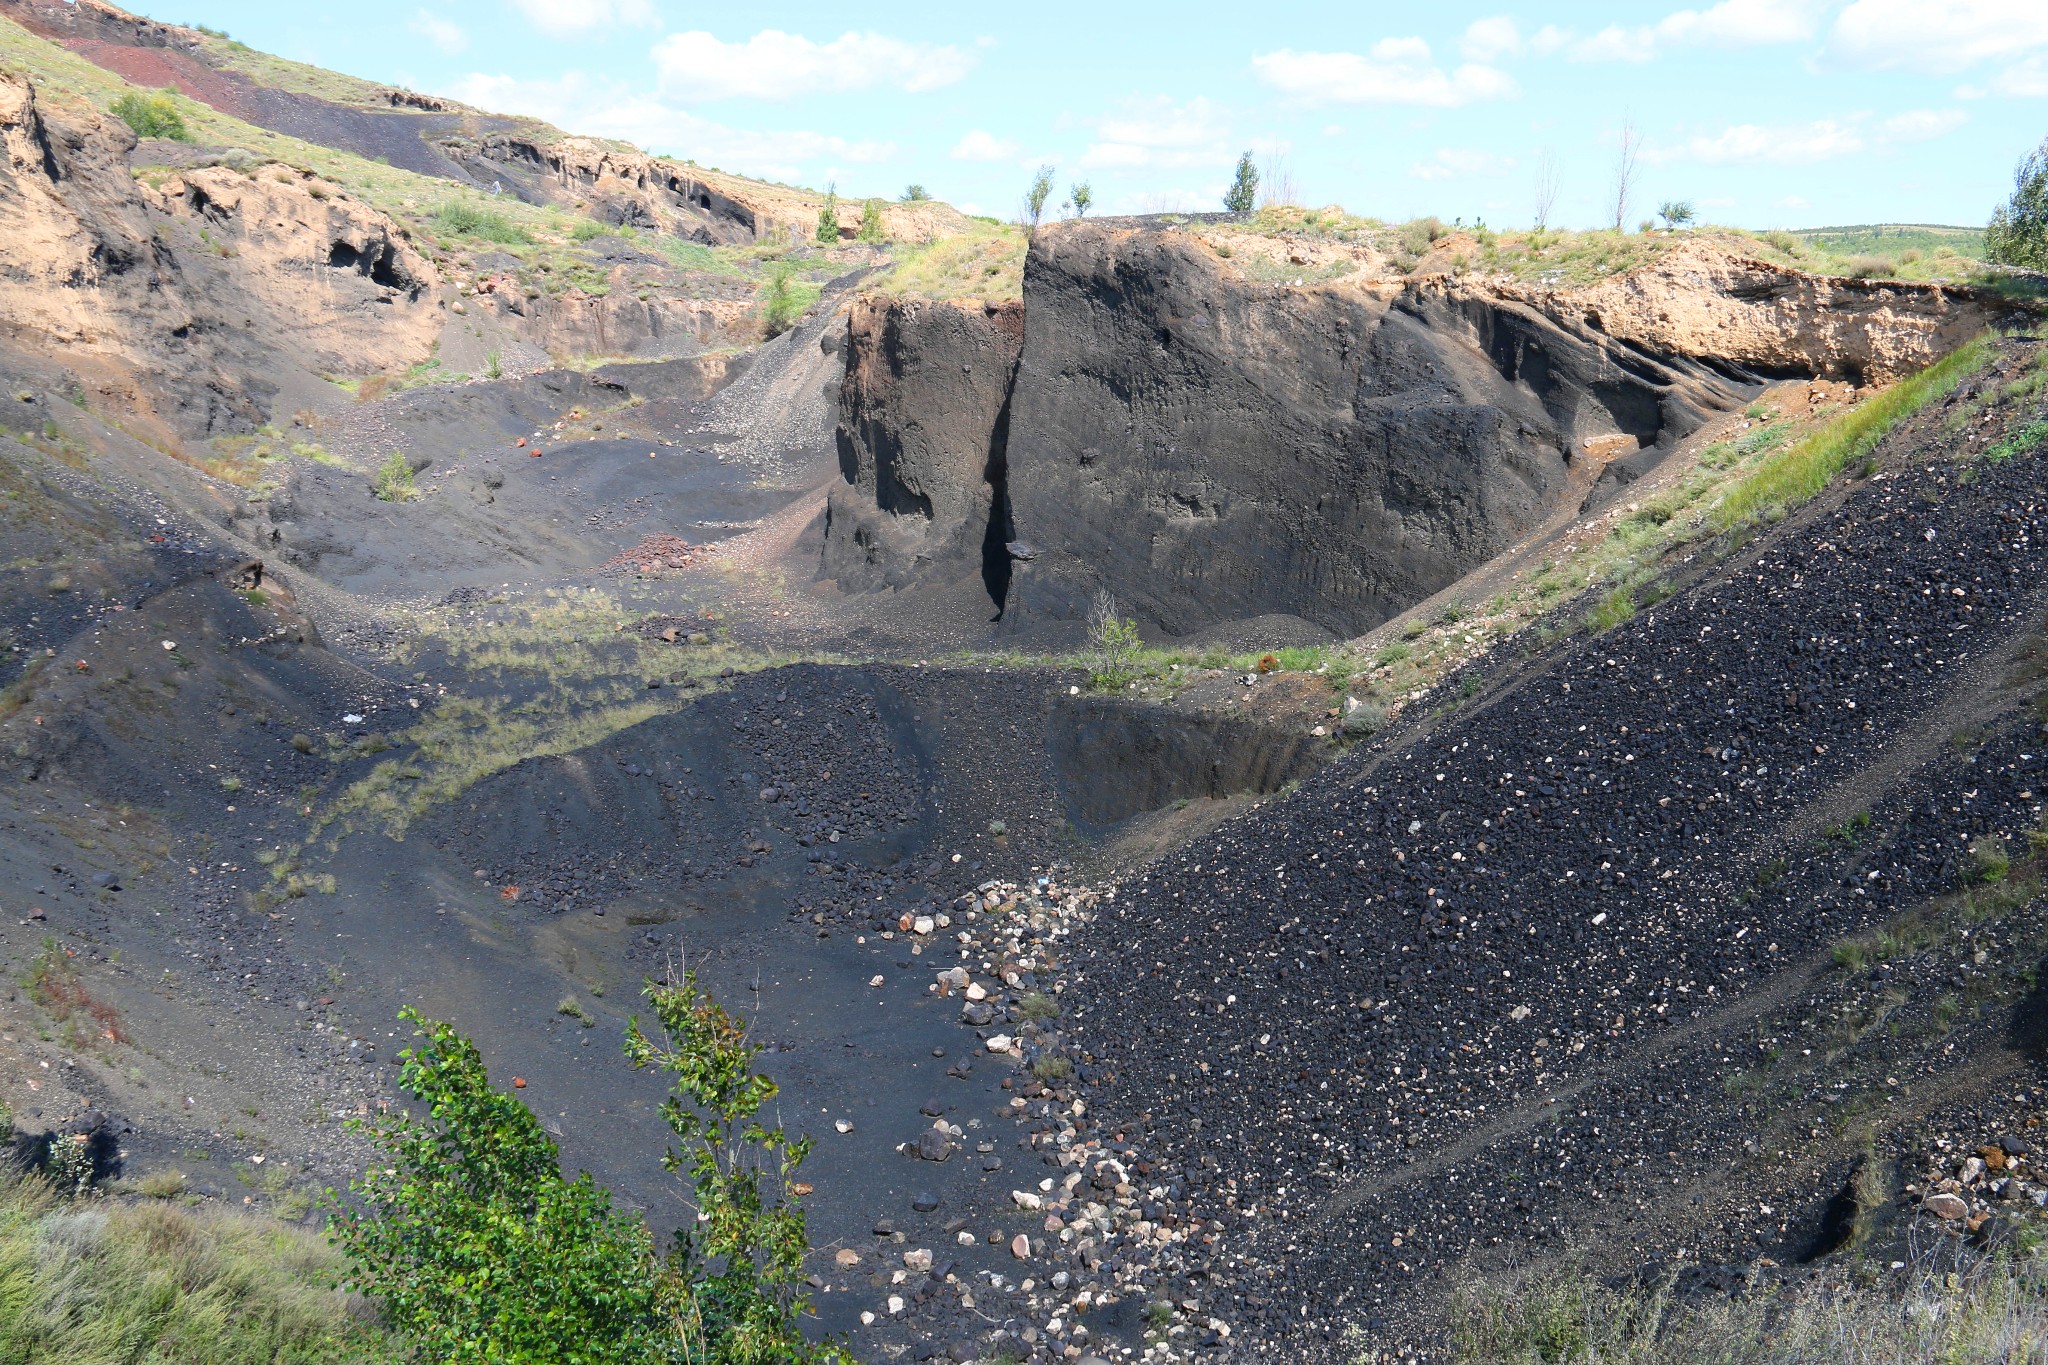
(920, 437)
(1210, 449)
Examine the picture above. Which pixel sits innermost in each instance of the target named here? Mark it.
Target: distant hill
(1894, 239)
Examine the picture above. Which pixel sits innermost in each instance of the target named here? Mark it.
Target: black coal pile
(1385, 1005)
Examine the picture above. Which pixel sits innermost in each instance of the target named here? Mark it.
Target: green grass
(1618, 606)
(2022, 442)
(458, 218)
(1993, 1310)
(115, 1283)
(986, 262)
(1785, 480)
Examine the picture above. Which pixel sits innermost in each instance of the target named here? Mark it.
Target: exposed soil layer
(1519, 978)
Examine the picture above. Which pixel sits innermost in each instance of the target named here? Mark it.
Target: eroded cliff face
(1211, 449)
(921, 443)
(1700, 300)
(194, 306)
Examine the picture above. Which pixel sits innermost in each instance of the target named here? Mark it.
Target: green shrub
(153, 115)
(458, 218)
(1113, 644)
(871, 230)
(828, 218)
(472, 1242)
(784, 299)
(915, 194)
(394, 482)
(1365, 720)
(587, 230)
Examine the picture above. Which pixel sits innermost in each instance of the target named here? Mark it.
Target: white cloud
(1744, 23)
(1803, 144)
(1392, 71)
(581, 18)
(1732, 23)
(1920, 125)
(1752, 144)
(1616, 44)
(1938, 35)
(2025, 80)
(445, 34)
(980, 146)
(774, 65)
(1160, 134)
(576, 103)
(1489, 39)
(1451, 163)
(1548, 39)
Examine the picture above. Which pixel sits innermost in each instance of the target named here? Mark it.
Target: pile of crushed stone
(658, 553)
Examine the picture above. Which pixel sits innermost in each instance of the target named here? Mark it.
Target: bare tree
(1625, 170)
(1546, 187)
(1276, 181)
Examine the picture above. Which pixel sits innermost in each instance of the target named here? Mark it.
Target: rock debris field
(1403, 1011)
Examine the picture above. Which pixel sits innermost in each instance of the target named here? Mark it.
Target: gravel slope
(1359, 1001)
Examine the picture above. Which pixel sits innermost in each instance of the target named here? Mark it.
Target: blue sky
(1764, 113)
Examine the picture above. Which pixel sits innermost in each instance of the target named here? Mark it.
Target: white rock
(923, 924)
(876, 979)
(1000, 1043)
(895, 1303)
(976, 991)
(1026, 1199)
(843, 1125)
(920, 1259)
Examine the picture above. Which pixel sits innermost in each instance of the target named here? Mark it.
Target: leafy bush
(474, 1244)
(740, 1267)
(915, 194)
(394, 482)
(2018, 232)
(871, 230)
(152, 115)
(458, 218)
(587, 230)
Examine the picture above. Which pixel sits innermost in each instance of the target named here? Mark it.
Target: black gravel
(1419, 946)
